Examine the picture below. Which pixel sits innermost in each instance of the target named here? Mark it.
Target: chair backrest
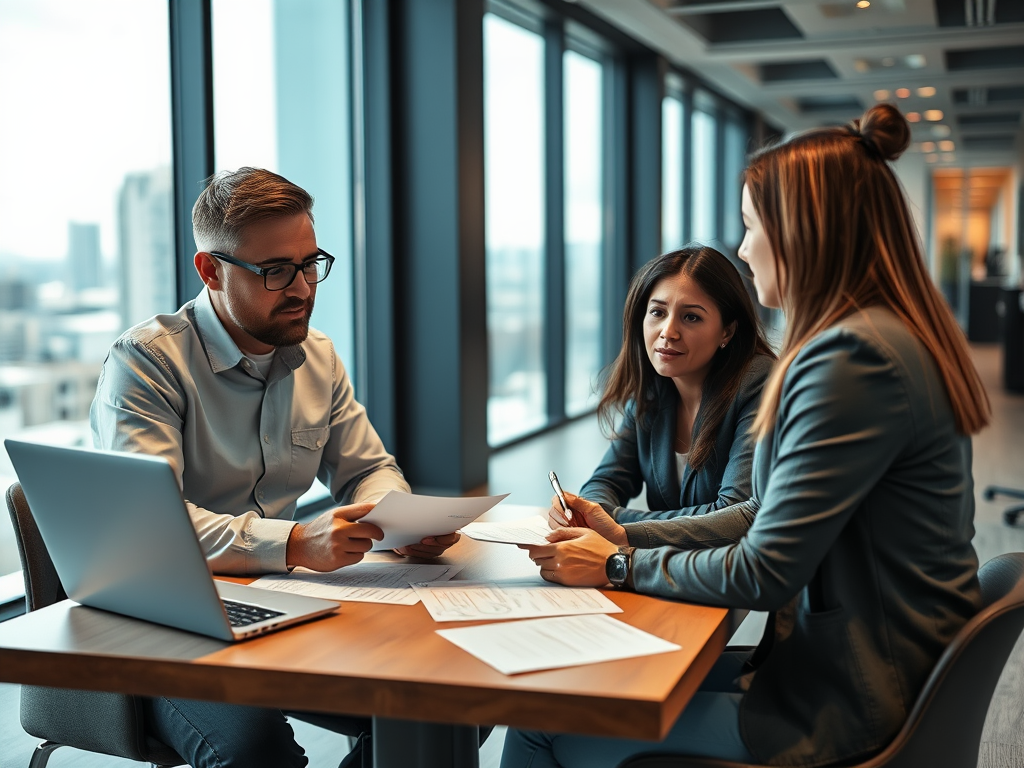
(945, 725)
(42, 585)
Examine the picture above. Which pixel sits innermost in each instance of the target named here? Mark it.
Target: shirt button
(319, 443)
(266, 438)
(246, 363)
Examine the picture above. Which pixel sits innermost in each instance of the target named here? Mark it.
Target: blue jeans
(708, 727)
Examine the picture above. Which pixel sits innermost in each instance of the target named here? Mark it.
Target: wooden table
(381, 660)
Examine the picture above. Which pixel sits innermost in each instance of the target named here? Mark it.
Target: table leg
(410, 744)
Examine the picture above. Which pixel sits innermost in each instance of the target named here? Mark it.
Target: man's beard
(278, 333)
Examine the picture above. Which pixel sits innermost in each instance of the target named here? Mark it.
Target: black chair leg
(1010, 514)
(42, 753)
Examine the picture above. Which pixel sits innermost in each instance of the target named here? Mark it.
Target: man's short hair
(232, 200)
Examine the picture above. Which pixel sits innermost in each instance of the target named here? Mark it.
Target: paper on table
(473, 600)
(362, 582)
(565, 641)
(408, 518)
(526, 530)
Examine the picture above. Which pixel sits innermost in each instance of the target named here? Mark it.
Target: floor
(573, 451)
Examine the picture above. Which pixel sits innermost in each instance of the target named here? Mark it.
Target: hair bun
(884, 128)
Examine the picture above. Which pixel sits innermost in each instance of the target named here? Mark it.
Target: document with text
(565, 641)
(527, 530)
(361, 583)
(474, 600)
(408, 518)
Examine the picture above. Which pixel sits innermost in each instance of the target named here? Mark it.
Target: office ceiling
(954, 66)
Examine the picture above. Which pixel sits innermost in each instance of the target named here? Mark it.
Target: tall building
(146, 246)
(84, 258)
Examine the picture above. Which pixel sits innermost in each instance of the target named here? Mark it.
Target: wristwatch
(616, 567)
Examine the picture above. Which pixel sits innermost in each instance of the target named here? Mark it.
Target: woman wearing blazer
(858, 535)
(688, 383)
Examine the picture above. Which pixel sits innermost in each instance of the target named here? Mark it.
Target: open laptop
(121, 539)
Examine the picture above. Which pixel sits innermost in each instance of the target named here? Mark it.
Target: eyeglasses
(280, 276)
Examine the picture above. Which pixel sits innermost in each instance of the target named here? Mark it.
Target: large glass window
(282, 102)
(584, 225)
(86, 230)
(515, 200)
(703, 179)
(672, 189)
(732, 181)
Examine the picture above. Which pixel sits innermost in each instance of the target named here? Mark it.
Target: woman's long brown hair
(843, 240)
(631, 377)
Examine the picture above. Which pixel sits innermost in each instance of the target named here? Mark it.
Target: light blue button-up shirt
(244, 447)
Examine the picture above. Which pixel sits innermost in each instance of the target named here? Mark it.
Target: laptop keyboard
(243, 614)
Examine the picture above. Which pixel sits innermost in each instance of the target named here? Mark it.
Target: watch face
(616, 569)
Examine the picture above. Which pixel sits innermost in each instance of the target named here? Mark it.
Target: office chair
(1012, 512)
(945, 724)
(109, 723)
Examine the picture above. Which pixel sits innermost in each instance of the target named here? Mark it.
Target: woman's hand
(586, 514)
(575, 557)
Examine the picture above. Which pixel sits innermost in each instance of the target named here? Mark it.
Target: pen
(561, 496)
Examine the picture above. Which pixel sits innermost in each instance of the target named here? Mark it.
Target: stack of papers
(528, 530)
(407, 518)
(472, 601)
(362, 582)
(568, 641)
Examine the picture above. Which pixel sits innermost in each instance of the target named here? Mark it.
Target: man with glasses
(250, 405)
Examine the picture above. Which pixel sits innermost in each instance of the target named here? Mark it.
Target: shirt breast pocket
(307, 449)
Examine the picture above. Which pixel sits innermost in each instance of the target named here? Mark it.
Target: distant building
(146, 246)
(84, 259)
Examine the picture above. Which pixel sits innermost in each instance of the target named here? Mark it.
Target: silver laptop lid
(119, 535)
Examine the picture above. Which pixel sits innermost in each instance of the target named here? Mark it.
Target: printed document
(362, 582)
(527, 530)
(566, 641)
(473, 600)
(407, 518)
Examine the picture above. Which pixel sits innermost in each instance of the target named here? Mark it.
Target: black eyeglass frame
(322, 256)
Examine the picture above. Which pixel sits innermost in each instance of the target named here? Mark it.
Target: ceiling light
(913, 117)
(881, 94)
(948, 158)
(931, 158)
(928, 146)
(941, 131)
(904, 93)
(947, 146)
(926, 92)
(863, 3)
(915, 61)
(934, 115)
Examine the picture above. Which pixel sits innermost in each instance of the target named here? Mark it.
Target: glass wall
(736, 137)
(282, 101)
(515, 201)
(584, 229)
(86, 223)
(672, 188)
(703, 180)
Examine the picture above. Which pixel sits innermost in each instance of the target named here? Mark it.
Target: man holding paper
(249, 405)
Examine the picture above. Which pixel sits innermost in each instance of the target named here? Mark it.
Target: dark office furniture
(1012, 512)
(1012, 309)
(944, 727)
(109, 723)
(983, 322)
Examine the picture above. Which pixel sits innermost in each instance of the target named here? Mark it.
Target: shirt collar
(221, 350)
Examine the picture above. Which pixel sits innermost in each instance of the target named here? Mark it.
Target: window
(86, 230)
(515, 202)
(282, 102)
(584, 225)
(705, 165)
(672, 191)
(732, 182)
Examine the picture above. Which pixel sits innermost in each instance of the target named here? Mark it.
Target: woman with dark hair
(688, 384)
(858, 535)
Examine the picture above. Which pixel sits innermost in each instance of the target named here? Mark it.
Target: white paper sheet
(474, 600)
(362, 582)
(565, 641)
(408, 518)
(527, 530)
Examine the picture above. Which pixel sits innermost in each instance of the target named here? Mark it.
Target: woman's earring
(724, 343)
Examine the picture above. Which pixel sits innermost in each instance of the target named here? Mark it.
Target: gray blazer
(857, 538)
(638, 456)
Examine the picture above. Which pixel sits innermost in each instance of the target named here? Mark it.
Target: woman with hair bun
(858, 535)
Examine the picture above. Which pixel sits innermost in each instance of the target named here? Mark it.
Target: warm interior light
(933, 114)
(881, 94)
(903, 93)
(928, 146)
(926, 92)
(947, 146)
(863, 3)
(913, 117)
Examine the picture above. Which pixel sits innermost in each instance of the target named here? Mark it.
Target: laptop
(121, 539)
